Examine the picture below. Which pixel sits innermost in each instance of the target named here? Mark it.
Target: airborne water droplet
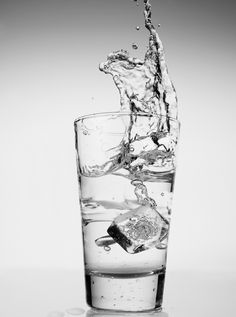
(134, 46)
(137, 28)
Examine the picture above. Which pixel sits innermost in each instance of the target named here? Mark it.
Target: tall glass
(126, 170)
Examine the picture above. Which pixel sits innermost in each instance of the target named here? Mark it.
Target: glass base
(125, 292)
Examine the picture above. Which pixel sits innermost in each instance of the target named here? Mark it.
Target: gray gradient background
(50, 51)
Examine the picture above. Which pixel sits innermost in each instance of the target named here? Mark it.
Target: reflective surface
(60, 293)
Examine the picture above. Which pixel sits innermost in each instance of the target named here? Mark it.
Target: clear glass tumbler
(126, 170)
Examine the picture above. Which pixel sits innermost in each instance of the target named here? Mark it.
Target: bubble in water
(104, 241)
(142, 193)
(134, 46)
(107, 248)
(161, 246)
(136, 182)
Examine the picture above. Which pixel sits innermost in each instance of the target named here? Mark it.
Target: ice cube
(139, 229)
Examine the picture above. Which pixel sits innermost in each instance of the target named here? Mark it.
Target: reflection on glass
(55, 314)
(103, 313)
(73, 312)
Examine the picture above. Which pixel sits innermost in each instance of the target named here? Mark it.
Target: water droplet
(137, 28)
(159, 25)
(134, 46)
(85, 132)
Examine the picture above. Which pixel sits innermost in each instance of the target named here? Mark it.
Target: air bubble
(134, 46)
(104, 241)
(107, 248)
(161, 246)
(136, 182)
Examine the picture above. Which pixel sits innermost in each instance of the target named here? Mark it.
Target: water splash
(142, 194)
(144, 85)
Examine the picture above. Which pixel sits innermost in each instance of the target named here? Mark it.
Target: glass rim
(122, 113)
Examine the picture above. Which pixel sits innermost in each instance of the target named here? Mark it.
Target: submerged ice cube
(139, 229)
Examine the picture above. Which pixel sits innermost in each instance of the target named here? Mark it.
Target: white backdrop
(50, 51)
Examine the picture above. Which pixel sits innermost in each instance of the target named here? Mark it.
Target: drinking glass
(126, 169)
